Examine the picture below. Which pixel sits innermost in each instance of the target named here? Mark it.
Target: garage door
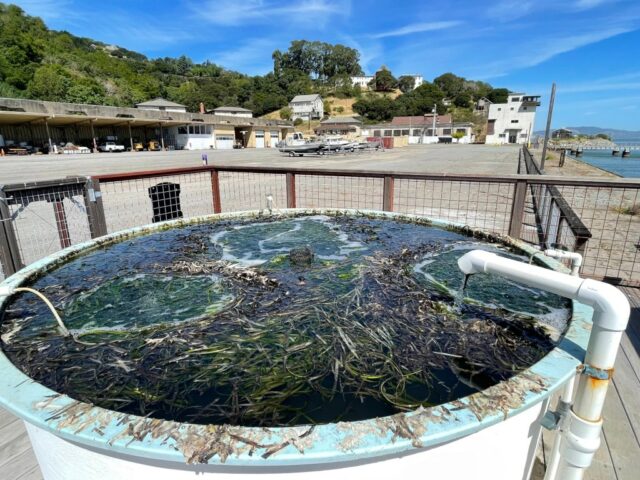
(274, 138)
(224, 142)
(259, 138)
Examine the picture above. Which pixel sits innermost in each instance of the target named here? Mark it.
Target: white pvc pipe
(564, 404)
(574, 257)
(611, 313)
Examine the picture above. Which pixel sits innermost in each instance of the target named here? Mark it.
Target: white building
(512, 122)
(162, 105)
(233, 111)
(307, 107)
(363, 80)
(196, 137)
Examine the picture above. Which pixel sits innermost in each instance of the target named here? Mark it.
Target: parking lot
(470, 159)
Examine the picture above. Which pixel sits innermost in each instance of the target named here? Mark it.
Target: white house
(307, 107)
(233, 111)
(162, 105)
(512, 122)
(363, 80)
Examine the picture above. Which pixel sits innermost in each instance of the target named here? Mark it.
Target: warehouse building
(40, 124)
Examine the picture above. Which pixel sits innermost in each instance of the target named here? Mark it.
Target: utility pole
(546, 133)
(435, 113)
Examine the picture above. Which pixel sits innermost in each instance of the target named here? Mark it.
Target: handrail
(532, 179)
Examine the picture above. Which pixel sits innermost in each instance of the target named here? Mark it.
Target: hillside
(615, 134)
(44, 64)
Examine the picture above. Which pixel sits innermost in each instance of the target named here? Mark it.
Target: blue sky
(588, 47)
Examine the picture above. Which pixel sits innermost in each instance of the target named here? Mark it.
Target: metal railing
(595, 217)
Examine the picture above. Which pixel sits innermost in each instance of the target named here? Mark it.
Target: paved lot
(472, 159)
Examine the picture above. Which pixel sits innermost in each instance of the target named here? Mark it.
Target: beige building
(41, 124)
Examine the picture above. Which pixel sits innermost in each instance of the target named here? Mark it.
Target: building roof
(419, 120)
(341, 120)
(159, 102)
(305, 98)
(231, 109)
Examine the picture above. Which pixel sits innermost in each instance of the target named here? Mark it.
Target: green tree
(384, 81)
(286, 113)
(420, 101)
(498, 95)
(463, 99)
(86, 90)
(406, 83)
(450, 84)
(375, 108)
(49, 82)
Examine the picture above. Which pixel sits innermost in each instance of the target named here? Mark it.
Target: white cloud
(418, 28)
(543, 49)
(232, 12)
(508, 10)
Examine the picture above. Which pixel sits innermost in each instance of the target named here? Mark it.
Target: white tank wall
(504, 451)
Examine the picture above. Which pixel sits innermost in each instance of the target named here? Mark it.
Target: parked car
(110, 147)
(154, 146)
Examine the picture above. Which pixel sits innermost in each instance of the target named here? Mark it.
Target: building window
(461, 130)
(191, 129)
(405, 133)
(523, 135)
(491, 125)
(182, 130)
(377, 133)
(515, 99)
(446, 131)
(524, 108)
(514, 121)
(512, 109)
(388, 133)
(502, 135)
(397, 133)
(417, 133)
(499, 109)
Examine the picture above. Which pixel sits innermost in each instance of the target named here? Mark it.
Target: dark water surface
(216, 323)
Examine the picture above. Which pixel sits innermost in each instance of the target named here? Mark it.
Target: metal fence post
(517, 209)
(215, 191)
(291, 190)
(95, 208)
(9, 250)
(387, 194)
(61, 222)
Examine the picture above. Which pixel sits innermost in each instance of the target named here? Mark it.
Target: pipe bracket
(597, 373)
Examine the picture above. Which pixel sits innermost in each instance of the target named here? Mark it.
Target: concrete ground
(471, 159)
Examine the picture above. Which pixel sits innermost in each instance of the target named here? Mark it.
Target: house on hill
(162, 104)
(307, 107)
(562, 133)
(233, 111)
(345, 126)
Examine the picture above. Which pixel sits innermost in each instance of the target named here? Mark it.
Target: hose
(63, 328)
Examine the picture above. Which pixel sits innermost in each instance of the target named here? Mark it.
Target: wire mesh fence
(248, 191)
(597, 217)
(324, 191)
(477, 204)
(133, 202)
(44, 218)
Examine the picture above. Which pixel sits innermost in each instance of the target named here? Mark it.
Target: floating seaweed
(217, 323)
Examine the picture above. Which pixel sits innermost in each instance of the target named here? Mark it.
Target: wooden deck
(617, 459)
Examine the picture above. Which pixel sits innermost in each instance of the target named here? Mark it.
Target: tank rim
(149, 438)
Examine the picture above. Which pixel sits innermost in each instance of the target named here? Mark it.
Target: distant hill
(615, 134)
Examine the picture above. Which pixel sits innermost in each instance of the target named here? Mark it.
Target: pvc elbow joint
(576, 258)
(475, 261)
